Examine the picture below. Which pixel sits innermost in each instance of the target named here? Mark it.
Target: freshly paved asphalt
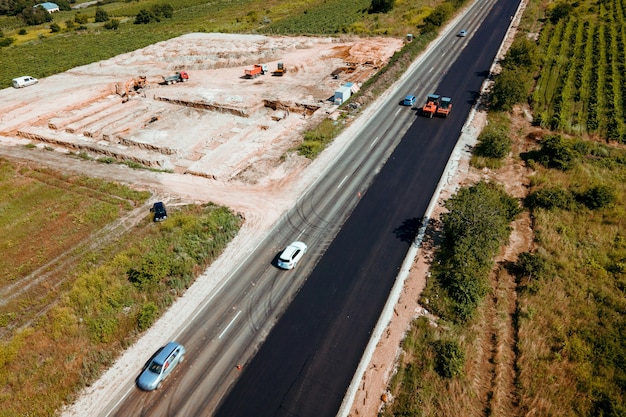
(307, 362)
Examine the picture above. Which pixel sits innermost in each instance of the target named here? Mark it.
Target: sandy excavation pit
(218, 124)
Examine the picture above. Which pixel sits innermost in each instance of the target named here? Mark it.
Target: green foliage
(475, 227)
(54, 27)
(145, 16)
(557, 152)
(531, 265)
(560, 11)
(437, 17)
(22, 31)
(522, 54)
(112, 24)
(510, 87)
(493, 142)
(149, 313)
(550, 198)
(6, 41)
(315, 140)
(81, 19)
(381, 6)
(597, 197)
(165, 10)
(101, 15)
(35, 16)
(450, 358)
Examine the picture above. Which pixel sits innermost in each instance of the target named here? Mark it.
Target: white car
(289, 258)
(463, 33)
(24, 81)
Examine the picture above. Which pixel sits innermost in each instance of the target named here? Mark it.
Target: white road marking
(229, 324)
(397, 111)
(374, 141)
(342, 181)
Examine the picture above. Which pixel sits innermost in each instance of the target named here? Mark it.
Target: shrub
(550, 198)
(450, 358)
(145, 16)
(557, 153)
(55, 28)
(101, 15)
(22, 32)
(530, 265)
(81, 19)
(597, 197)
(112, 24)
(163, 11)
(493, 142)
(6, 41)
(149, 313)
(381, 6)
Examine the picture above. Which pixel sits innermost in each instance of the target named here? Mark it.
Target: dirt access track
(219, 124)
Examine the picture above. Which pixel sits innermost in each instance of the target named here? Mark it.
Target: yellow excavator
(132, 87)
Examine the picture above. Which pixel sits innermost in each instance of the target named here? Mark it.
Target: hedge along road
(307, 362)
(228, 329)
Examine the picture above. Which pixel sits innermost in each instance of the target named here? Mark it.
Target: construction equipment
(444, 108)
(179, 77)
(432, 102)
(280, 70)
(257, 69)
(132, 87)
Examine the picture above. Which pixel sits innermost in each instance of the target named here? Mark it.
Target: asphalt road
(307, 362)
(308, 359)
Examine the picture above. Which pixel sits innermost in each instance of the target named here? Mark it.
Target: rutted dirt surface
(219, 124)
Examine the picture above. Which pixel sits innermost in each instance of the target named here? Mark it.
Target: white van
(24, 81)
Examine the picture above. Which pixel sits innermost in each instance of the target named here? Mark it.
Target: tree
(523, 53)
(144, 17)
(509, 87)
(33, 16)
(101, 15)
(381, 6)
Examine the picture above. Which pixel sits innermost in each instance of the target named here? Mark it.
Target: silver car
(289, 257)
(161, 366)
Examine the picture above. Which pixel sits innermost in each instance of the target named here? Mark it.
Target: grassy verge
(59, 335)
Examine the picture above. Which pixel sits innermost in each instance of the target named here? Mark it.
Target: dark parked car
(159, 211)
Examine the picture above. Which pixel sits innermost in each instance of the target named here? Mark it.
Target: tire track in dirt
(50, 276)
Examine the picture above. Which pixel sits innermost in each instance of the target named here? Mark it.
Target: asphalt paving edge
(468, 137)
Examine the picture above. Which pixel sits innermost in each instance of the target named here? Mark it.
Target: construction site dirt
(218, 124)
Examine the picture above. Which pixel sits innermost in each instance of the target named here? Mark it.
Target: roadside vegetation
(102, 286)
(544, 334)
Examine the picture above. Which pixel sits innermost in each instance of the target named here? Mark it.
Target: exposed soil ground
(219, 124)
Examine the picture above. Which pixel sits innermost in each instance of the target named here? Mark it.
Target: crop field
(581, 88)
(76, 287)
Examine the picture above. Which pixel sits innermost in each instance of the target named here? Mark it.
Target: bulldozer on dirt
(280, 70)
(133, 86)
